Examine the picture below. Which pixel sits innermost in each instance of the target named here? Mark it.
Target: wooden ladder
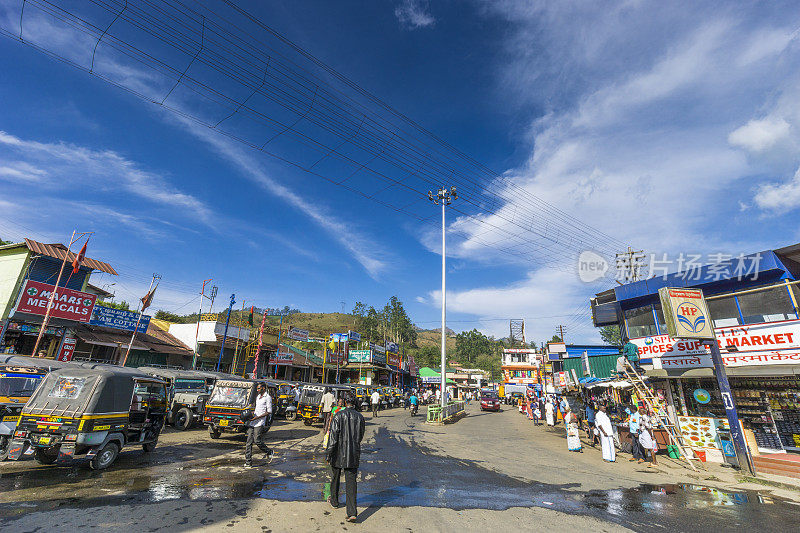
(661, 417)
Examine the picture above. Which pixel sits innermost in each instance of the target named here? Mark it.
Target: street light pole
(443, 197)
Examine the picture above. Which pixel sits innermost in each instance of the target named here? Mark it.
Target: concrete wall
(12, 269)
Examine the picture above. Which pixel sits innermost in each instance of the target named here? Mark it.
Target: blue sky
(669, 127)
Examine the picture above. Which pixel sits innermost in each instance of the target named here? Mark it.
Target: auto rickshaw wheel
(105, 457)
(307, 421)
(213, 432)
(44, 457)
(4, 443)
(291, 415)
(183, 419)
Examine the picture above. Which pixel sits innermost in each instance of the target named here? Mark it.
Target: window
(724, 312)
(18, 385)
(235, 396)
(67, 388)
(640, 322)
(662, 324)
(190, 384)
(766, 306)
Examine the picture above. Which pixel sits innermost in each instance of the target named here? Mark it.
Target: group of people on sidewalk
(598, 426)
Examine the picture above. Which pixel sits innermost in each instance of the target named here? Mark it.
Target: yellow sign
(223, 422)
(10, 418)
(686, 313)
(102, 428)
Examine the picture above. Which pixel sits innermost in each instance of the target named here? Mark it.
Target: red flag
(148, 298)
(76, 264)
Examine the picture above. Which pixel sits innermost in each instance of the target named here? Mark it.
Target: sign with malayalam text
(67, 303)
(284, 356)
(393, 359)
(359, 356)
(297, 334)
(67, 349)
(118, 318)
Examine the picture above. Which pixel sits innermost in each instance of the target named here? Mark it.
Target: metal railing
(438, 414)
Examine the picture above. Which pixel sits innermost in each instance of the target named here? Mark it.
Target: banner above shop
(118, 318)
(297, 334)
(770, 343)
(392, 347)
(67, 304)
(283, 357)
(686, 313)
(359, 356)
(354, 336)
(393, 359)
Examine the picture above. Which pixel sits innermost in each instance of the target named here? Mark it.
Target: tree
(117, 305)
(611, 335)
(471, 344)
(556, 338)
(3, 243)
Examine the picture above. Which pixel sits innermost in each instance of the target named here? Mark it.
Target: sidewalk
(713, 473)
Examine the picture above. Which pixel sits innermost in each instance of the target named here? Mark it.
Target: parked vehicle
(310, 408)
(19, 377)
(285, 405)
(228, 408)
(93, 410)
(490, 401)
(362, 394)
(187, 394)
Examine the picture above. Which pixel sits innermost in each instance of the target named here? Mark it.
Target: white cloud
(364, 250)
(780, 197)
(759, 135)
(21, 171)
(414, 14)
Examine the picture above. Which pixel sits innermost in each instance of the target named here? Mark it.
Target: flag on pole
(76, 263)
(148, 298)
(250, 318)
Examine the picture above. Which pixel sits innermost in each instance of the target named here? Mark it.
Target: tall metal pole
(46, 318)
(444, 311)
(278, 353)
(225, 335)
(197, 333)
(138, 320)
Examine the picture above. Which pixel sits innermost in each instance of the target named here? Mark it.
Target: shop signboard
(562, 379)
(297, 334)
(335, 358)
(67, 304)
(378, 357)
(393, 359)
(392, 347)
(359, 356)
(67, 348)
(354, 336)
(284, 357)
(769, 343)
(686, 313)
(118, 318)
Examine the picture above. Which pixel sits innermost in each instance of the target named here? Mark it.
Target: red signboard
(283, 357)
(67, 349)
(393, 359)
(67, 304)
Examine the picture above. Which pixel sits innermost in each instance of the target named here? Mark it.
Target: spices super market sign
(754, 344)
(67, 304)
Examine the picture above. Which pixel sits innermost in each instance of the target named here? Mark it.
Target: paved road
(487, 471)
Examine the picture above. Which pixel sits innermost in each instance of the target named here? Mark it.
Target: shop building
(294, 364)
(753, 303)
(520, 366)
(206, 340)
(28, 272)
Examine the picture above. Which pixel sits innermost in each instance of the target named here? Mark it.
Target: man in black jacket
(344, 452)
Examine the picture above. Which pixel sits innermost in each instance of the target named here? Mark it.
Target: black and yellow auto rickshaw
(361, 393)
(228, 410)
(93, 410)
(309, 407)
(286, 405)
(19, 377)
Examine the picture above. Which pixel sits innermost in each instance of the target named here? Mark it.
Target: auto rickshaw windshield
(190, 384)
(19, 385)
(233, 396)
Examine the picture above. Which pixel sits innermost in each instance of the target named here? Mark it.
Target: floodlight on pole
(443, 197)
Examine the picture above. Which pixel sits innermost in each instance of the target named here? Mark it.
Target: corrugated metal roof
(59, 251)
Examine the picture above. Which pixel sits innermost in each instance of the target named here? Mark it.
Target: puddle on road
(409, 476)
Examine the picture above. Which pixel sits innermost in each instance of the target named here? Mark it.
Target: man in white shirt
(603, 425)
(257, 427)
(328, 399)
(375, 400)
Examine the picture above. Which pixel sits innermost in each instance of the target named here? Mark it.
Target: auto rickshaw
(310, 406)
(229, 407)
(362, 397)
(94, 410)
(19, 377)
(285, 405)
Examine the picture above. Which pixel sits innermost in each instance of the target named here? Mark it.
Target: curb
(767, 482)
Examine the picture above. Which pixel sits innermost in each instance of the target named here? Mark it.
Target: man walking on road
(344, 453)
(603, 424)
(328, 399)
(257, 427)
(375, 400)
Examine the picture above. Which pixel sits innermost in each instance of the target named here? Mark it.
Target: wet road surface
(399, 469)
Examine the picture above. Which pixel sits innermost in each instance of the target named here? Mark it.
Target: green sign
(360, 356)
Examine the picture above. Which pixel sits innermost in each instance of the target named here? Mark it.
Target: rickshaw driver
(257, 427)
